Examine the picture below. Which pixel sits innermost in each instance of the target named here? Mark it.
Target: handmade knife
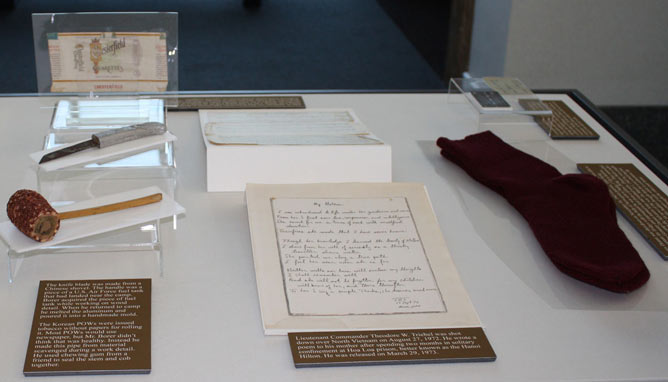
(108, 138)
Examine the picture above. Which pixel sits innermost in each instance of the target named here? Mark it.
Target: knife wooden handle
(127, 133)
(111, 207)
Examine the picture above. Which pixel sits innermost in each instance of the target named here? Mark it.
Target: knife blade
(109, 138)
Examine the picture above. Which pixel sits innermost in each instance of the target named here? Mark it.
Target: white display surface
(206, 326)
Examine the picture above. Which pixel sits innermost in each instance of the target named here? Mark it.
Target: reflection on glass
(107, 114)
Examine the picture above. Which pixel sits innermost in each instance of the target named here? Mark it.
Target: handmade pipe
(34, 216)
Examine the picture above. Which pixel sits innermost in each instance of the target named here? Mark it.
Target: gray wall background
(614, 51)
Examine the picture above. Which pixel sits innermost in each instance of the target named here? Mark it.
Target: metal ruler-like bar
(250, 102)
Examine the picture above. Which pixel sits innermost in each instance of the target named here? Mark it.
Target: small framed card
(490, 100)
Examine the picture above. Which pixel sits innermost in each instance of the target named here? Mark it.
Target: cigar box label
(104, 62)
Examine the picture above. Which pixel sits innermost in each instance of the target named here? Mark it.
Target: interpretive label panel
(389, 346)
(640, 200)
(566, 124)
(91, 327)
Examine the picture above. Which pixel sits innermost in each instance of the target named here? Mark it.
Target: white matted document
(352, 256)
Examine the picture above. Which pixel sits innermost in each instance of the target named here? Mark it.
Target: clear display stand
(75, 120)
(118, 231)
(143, 237)
(106, 52)
(505, 106)
(148, 165)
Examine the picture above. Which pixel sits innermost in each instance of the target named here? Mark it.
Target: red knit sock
(572, 216)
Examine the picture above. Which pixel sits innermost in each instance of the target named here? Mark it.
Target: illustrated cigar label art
(32, 214)
(109, 138)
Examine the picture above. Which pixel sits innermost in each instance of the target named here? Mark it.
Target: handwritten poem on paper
(88, 325)
(346, 256)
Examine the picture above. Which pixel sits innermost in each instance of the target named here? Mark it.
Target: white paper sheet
(300, 117)
(72, 229)
(285, 127)
(310, 139)
(353, 256)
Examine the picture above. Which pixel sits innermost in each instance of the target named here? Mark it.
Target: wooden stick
(111, 207)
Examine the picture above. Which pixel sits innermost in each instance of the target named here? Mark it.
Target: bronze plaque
(640, 200)
(90, 327)
(375, 347)
(566, 124)
(248, 102)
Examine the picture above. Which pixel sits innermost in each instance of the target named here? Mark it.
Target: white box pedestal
(233, 164)
(230, 167)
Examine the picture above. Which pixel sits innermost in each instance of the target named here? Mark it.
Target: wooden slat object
(111, 207)
(459, 38)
